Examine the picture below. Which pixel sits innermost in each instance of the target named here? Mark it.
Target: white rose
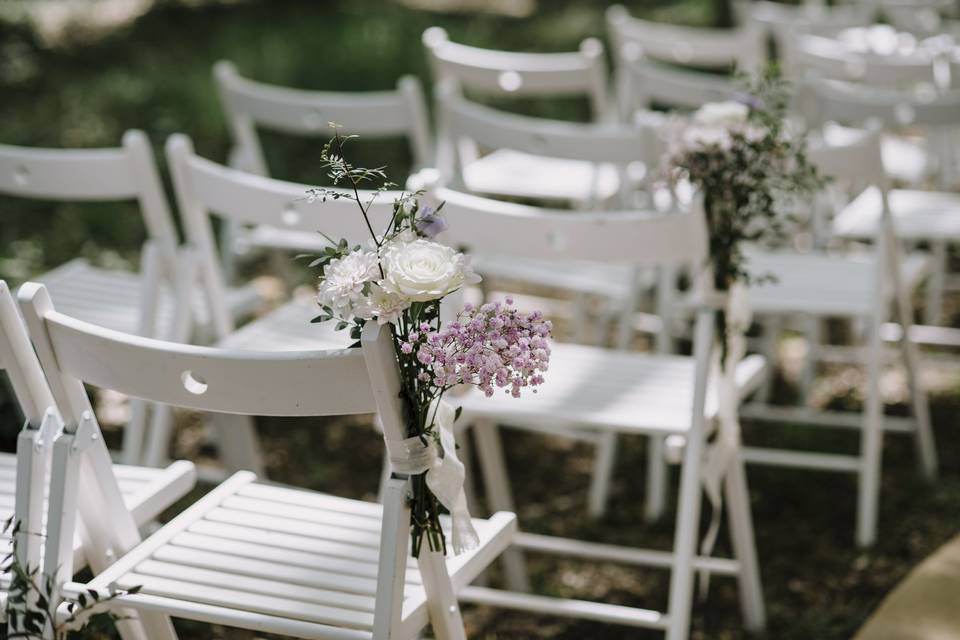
(341, 288)
(721, 113)
(424, 270)
(706, 136)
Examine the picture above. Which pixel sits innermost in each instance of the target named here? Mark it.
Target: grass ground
(85, 90)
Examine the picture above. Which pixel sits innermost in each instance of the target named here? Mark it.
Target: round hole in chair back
(193, 383)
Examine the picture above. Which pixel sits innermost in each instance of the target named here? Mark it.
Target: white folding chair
(784, 21)
(861, 288)
(593, 391)
(743, 47)
(142, 303)
(931, 217)
(261, 557)
(825, 57)
(206, 190)
(145, 492)
(249, 105)
(508, 74)
(643, 84)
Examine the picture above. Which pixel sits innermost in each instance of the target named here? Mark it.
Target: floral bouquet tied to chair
(749, 166)
(400, 278)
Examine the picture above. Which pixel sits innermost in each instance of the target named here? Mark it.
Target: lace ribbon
(445, 472)
(723, 450)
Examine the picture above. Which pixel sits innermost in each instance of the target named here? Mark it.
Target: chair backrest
(491, 129)
(819, 56)
(521, 74)
(93, 175)
(640, 238)
(248, 104)
(205, 189)
(822, 101)
(785, 21)
(643, 83)
(72, 352)
(742, 47)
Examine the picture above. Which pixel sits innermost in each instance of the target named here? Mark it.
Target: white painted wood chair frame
(820, 56)
(313, 383)
(858, 160)
(643, 83)
(608, 143)
(99, 175)
(852, 105)
(153, 491)
(508, 74)
(206, 190)
(784, 21)
(645, 239)
(249, 105)
(521, 74)
(742, 47)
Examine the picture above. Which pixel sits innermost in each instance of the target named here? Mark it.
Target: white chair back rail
(743, 47)
(819, 56)
(520, 74)
(786, 20)
(205, 189)
(821, 101)
(401, 113)
(626, 237)
(494, 129)
(645, 83)
(126, 173)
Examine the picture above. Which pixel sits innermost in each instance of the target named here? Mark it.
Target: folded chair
(145, 492)
(261, 557)
(142, 303)
(597, 391)
(512, 75)
(250, 105)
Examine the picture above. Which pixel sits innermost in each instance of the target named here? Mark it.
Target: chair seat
(280, 559)
(111, 298)
(608, 280)
(521, 175)
(820, 284)
(146, 491)
(590, 387)
(917, 215)
(288, 328)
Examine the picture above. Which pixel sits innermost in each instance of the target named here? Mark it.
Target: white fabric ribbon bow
(445, 472)
(722, 452)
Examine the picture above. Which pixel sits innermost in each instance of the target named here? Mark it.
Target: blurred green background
(81, 77)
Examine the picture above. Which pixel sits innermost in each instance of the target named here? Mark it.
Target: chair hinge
(86, 434)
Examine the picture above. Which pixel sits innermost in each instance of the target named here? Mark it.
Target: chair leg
(923, 431)
(772, 327)
(145, 625)
(157, 450)
(814, 334)
(744, 547)
(580, 318)
(238, 442)
(871, 443)
(684, 543)
(133, 433)
(656, 479)
(935, 285)
(603, 464)
(445, 618)
(499, 496)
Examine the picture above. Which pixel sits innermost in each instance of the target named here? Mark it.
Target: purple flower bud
(429, 223)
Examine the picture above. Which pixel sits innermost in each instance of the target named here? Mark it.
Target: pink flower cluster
(494, 345)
